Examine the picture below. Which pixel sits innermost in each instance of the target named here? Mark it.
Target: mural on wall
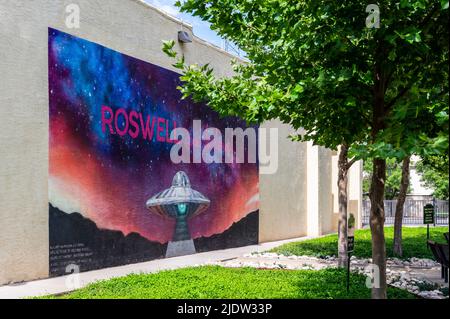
(115, 196)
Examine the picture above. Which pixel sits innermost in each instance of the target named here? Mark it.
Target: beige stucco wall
(283, 196)
(354, 190)
(295, 201)
(127, 26)
(319, 196)
(325, 195)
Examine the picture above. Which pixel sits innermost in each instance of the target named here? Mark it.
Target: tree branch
(399, 95)
(404, 90)
(351, 162)
(429, 16)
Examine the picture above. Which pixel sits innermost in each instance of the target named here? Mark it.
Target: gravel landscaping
(404, 274)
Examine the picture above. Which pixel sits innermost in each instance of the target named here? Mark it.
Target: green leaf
(168, 48)
(313, 66)
(392, 55)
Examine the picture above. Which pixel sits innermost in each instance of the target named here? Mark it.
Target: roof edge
(190, 27)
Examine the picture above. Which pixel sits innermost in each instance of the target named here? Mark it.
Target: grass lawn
(414, 243)
(210, 282)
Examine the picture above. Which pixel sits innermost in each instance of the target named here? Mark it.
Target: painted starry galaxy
(106, 172)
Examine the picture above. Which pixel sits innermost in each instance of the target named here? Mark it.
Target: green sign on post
(428, 214)
(351, 233)
(350, 244)
(428, 218)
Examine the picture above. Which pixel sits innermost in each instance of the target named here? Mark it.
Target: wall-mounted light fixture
(184, 37)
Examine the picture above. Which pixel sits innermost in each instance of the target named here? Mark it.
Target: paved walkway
(234, 257)
(63, 284)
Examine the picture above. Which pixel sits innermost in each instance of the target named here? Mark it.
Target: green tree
(315, 65)
(434, 174)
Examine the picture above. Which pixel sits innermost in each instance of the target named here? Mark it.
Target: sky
(201, 28)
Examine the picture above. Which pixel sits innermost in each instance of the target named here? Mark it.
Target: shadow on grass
(414, 244)
(215, 282)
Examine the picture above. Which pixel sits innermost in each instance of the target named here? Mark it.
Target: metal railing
(412, 211)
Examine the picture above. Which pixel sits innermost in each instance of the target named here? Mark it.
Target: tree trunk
(378, 184)
(399, 208)
(377, 228)
(342, 199)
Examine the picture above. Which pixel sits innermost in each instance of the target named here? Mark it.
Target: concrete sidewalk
(64, 283)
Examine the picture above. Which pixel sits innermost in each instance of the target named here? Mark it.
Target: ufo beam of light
(179, 202)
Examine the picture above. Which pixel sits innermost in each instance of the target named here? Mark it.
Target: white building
(299, 200)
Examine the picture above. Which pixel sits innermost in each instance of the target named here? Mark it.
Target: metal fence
(412, 211)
